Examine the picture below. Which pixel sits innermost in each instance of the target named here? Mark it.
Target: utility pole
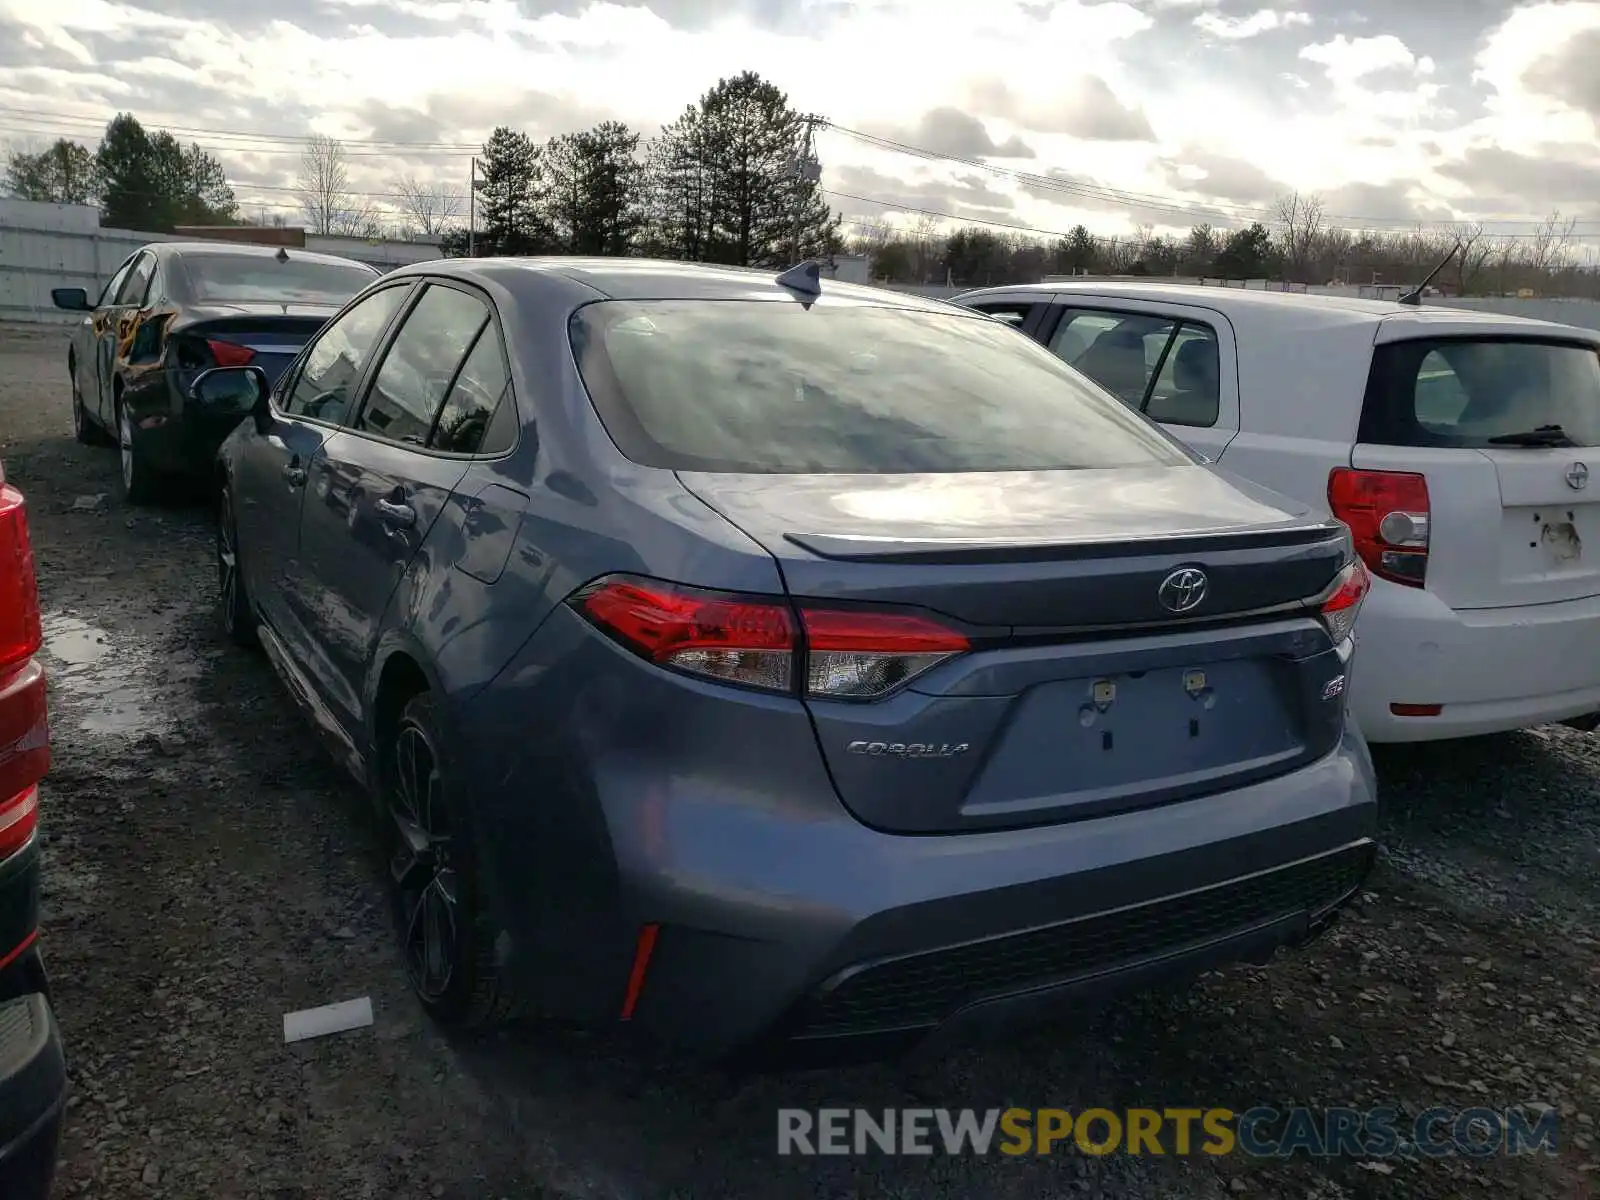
(806, 170)
(472, 210)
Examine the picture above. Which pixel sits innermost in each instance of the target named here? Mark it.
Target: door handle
(294, 475)
(400, 516)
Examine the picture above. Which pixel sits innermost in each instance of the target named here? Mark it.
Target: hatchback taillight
(1387, 512)
(766, 643)
(20, 634)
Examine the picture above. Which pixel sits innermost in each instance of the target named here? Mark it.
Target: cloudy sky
(1111, 114)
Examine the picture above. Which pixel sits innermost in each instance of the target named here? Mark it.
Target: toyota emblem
(1578, 476)
(1182, 590)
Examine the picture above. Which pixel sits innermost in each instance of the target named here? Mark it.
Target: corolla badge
(1578, 476)
(1182, 590)
(909, 749)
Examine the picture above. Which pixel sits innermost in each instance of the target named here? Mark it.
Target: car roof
(251, 250)
(659, 279)
(1259, 307)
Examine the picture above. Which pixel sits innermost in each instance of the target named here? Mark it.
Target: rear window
(222, 278)
(772, 387)
(1468, 392)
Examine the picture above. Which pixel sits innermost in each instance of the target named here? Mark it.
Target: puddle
(106, 684)
(74, 642)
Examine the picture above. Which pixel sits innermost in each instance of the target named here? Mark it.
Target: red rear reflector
(19, 817)
(1340, 609)
(643, 949)
(755, 641)
(20, 633)
(1416, 710)
(1387, 512)
(230, 354)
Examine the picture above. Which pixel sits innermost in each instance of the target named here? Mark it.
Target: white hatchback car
(1452, 442)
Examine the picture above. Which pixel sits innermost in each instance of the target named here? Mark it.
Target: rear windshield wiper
(1543, 435)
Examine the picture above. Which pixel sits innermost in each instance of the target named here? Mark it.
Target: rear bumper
(33, 1095)
(1492, 670)
(176, 435)
(782, 925)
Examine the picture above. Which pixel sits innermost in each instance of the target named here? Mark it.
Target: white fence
(45, 246)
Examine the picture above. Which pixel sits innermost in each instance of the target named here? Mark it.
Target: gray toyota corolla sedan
(775, 663)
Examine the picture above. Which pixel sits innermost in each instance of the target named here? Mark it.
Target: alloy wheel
(125, 438)
(227, 561)
(422, 866)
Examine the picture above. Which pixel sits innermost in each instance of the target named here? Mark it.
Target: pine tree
(508, 196)
(726, 182)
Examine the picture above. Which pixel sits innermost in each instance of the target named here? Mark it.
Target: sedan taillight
(766, 643)
(1340, 609)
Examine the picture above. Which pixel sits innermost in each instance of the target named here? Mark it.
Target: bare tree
(1550, 247)
(325, 196)
(427, 208)
(1477, 248)
(1300, 218)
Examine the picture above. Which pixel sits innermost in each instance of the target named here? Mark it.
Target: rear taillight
(19, 819)
(762, 642)
(230, 354)
(737, 639)
(1387, 512)
(20, 634)
(1339, 610)
(863, 655)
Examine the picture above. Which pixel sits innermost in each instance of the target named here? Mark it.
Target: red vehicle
(32, 1065)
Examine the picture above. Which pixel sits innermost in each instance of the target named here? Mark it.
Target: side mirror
(232, 391)
(71, 299)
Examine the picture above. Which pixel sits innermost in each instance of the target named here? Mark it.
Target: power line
(281, 144)
(1145, 200)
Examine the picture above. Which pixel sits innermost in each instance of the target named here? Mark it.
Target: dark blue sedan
(766, 661)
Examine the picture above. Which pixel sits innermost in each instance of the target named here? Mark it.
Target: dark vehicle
(173, 310)
(765, 667)
(33, 1082)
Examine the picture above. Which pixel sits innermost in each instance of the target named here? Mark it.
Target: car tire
(140, 482)
(238, 612)
(447, 940)
(84, 429)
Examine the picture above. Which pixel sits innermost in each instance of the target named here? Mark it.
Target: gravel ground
(207, 871)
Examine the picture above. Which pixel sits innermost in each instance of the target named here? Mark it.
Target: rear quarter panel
(1300, 394)
(580, 510)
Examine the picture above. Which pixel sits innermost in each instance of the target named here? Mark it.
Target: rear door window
(481, 389)
(1167, 368)
(332, 368)
(774, 387)
(1478, 393)
(421, 365)
(137, 285)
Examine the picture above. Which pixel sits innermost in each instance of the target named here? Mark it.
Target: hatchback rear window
(222, 278)
(1481, 392)
(773, 387)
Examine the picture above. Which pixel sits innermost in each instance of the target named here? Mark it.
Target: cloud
(1568, 73)
(1222, 177)
(1347, 60)
(1263, 20)
(1086, 108)
(871, 192)
(950, 131)
(1560, 176)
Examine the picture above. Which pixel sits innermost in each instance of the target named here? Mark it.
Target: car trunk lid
(1081, 691)
(268, 336)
